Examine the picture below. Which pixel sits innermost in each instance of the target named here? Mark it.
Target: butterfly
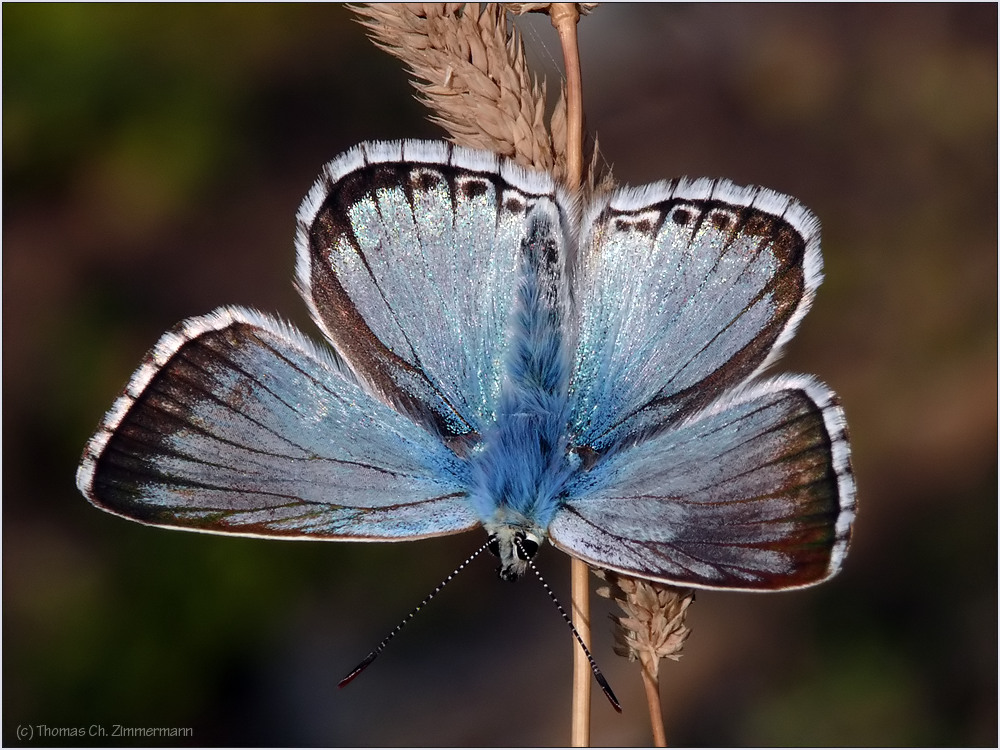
(502, 356)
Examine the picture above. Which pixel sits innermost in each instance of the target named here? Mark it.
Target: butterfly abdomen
(522, 470)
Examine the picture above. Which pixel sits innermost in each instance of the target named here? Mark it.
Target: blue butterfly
(505, 358)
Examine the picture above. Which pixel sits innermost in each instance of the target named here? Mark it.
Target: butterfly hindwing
(236, 423)
(684, 289)
(408, 258)
(755, 492)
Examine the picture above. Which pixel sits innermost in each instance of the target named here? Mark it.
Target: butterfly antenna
(395, 631)
(598, 675)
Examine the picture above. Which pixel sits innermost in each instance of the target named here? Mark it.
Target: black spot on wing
(473, 188)
(680, 216)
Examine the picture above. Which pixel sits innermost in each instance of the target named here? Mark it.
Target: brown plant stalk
(653, 628)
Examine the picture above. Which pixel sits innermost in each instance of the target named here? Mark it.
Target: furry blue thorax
(519, 476)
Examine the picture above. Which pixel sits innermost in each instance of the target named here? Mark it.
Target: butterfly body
(503, 358)
(521, 473)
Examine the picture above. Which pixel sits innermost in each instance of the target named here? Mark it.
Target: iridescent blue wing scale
(236, 423)
(755, 492)
(408, 256)
(684, 289)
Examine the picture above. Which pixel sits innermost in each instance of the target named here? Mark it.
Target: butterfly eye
(493, 545)
(526, 548)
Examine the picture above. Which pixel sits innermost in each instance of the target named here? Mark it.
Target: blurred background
(154, 158)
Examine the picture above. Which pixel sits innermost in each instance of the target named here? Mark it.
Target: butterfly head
(514, 546)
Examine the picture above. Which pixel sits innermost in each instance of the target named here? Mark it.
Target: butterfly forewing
(408, 257)
(684, 290)
(756, 492)
(237, 424)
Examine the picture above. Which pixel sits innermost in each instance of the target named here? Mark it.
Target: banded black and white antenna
(598, 675)
(406, 620)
